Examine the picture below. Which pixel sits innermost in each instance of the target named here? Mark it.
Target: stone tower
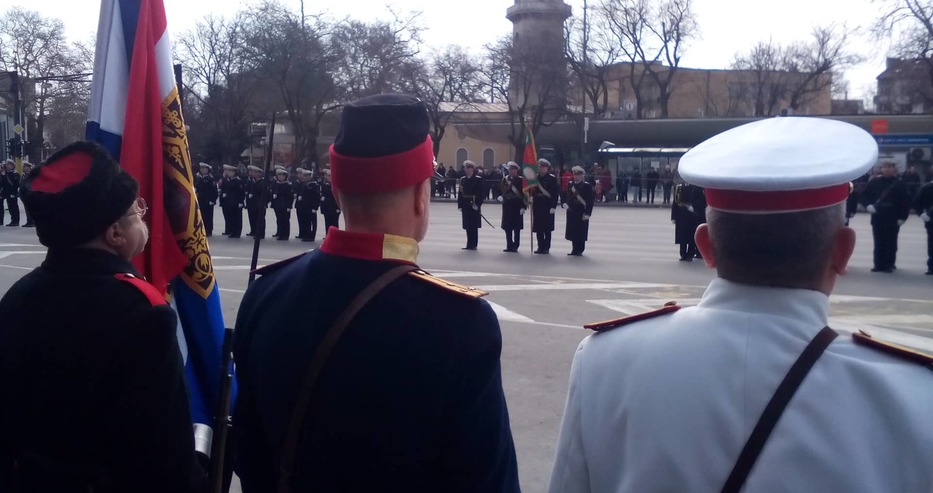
(538, 39)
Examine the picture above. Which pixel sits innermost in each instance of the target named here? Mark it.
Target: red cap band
(68, 171)
(352, 174)
(786, 201)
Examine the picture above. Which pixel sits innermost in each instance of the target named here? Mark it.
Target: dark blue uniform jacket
(411, 398)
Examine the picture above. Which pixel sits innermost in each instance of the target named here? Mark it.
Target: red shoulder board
(152, 294)
(865, 339)
(669, 307)
(268, 269)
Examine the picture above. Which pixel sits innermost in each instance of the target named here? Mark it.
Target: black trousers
(472, 237)
(207, 216)
(885, 236)
(667, 193)
(233, 215)
(544, 241)
(12, 204)
(636, 195)
(929, 227)
(649, 195)
(688, 250)
(622, 195)
(256, 227)
(513, 238)
(578, 246)
(331, 220)
(302, 216)
(283, 223)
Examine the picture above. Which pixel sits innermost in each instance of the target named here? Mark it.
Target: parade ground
(630, 265)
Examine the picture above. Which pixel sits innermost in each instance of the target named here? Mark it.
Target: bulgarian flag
(530, 162)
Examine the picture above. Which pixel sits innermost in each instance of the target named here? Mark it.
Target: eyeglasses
(141, 208)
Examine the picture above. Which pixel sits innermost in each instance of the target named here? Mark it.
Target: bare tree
(591, 53)
(291, 55)
(652, 35)
(371, 58)
(35, 47)
(533, 85)
(779, 77)
(447, 82)
(223, 82)
(910, 24)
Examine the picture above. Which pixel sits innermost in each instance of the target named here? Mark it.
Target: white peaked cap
(777, 165)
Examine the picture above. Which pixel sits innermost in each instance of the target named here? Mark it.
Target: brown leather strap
(316, 366)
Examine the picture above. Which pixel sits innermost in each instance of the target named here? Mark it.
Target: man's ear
(705, 245)
(114, 236)
(422, 197)
(843, 246)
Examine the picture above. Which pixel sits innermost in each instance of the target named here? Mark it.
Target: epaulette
(669, 307)
(865, 339)
(148, 290)
(268, 269)
(447, 285)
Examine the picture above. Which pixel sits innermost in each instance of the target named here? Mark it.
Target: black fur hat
(76, 194)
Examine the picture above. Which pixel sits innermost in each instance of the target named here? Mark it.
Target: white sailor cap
(228, 167)
(253, 167)
(578, 169)
(514, 165)
(469, 164)
(305, 171)
(204, 165)
(281, 170)
(544, 162)
(778, 165)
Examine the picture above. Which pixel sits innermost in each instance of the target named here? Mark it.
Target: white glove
(224, 195)
(459, 209)
(499, 198)
(249, 196)
(275, 196)
(673, 221)
(288, 210)
(900, 222)
(925, 217)
(690, 208)
(522, 212)
(475, 207)
(241, 205)
(314, 211)
(299, 199)
(212, 203)
(338, 211)
(586, 218)
(552, 211)
(871, 209)
(563, 206)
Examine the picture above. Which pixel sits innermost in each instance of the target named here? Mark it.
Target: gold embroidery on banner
(181, 202)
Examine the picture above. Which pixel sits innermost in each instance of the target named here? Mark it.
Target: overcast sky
(727, 26)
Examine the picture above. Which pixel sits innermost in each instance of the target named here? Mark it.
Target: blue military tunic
(411, 398)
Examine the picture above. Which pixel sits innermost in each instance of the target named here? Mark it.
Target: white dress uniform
(667, 403)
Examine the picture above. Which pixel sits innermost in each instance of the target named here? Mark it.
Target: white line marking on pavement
(17, 245)
(568, 286)
(238, 291)
(10, 254)
(231, 267)
(14, 267)
(506, 315)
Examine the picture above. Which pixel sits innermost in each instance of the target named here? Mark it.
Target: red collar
(370, 246)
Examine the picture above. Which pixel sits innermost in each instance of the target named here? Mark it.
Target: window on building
(462, 155)
(489, 158)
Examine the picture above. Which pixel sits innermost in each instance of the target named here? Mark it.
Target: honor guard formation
(357, 370)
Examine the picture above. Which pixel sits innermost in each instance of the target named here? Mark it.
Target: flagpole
(531, 214)
(261, 210)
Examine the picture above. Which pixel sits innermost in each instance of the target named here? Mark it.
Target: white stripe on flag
(163, 53)
(111, 72)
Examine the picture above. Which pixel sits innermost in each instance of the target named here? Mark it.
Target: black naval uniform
(329, 208)
(411, 397)
(470, 202)
(688, 212)
(513, 210)
(546, 199)
(231, 202)
(924, 204)
(282, 199)
(580, 198)
(9, 186)
(892, 204)
(205, 187)
(307, 202)
(254, 189)
(92, 382)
